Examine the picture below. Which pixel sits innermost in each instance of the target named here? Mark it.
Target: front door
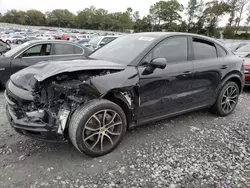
(168, 90)
(33, 55)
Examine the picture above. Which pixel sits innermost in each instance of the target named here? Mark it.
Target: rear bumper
(28, 126)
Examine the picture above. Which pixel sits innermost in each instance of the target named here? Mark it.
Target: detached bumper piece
(29, 123)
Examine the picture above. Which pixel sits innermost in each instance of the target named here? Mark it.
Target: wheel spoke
(104, 118)
(97, 119)
(111, 141)
(114, 124)
(112, 120)
(229, 106)
(90, 136)
(96, 142)
(230, 100)
(114, 134)
(102, 142)
(233, 97)
(91, 129)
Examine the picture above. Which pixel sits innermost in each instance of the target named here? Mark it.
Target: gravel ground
(197, 150)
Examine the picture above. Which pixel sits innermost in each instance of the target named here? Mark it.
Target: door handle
(187, 73)
(224, 67)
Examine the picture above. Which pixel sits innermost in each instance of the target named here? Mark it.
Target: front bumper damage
(39, 123)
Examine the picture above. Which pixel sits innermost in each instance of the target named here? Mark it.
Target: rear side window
(64, 49)
(203, 49)
(78, 50)
(221, 51)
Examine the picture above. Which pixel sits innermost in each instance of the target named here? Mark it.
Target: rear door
(210, 64)
(63, 51)
(31, 56)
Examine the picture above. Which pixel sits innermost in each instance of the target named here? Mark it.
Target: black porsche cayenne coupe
(136, 79)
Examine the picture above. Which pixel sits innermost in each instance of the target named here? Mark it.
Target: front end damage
(44, 110)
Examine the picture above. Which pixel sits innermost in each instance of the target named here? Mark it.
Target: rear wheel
(227, 99)
(97, 128)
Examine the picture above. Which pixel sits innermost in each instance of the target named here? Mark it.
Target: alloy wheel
(229, 99)
(102, 130)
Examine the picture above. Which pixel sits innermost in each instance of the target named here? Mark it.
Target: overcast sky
(74, 5)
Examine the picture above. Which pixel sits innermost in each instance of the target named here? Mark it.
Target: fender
(232, 75)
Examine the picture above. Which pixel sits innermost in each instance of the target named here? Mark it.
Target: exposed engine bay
(56, 98)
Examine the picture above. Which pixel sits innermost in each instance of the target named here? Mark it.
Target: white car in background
(100, 41)
(44, 37)
(81, 37)
(10, 38)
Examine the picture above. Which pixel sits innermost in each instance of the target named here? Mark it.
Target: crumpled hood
(44, 70)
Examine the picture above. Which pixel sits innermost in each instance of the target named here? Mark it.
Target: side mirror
(157, 63)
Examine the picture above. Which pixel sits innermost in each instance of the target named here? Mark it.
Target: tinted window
(64, 49)
(78, 50)
(204, 49)
(38, 50)
(221, 51)
(173, 49)
(108, 39)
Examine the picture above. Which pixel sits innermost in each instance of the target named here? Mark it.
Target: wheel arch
(126, 99)
(236, 77)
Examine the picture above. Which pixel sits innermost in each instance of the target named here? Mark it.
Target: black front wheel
(227, 99)
(97, 128)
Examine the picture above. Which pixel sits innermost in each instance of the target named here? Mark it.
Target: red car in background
(247, 70)
(65, 37)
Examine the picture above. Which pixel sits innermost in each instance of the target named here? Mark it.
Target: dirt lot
(194, 150)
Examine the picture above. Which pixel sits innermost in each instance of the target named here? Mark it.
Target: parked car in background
(23, 40)
(90, 46)
(32, 52)
(100, 41)
(243, 51)
(4, 47)
(134, 80)
(83, 41)
(235, 46)
(44, 37)
(18, 39)
(83, 37)
(247, 70)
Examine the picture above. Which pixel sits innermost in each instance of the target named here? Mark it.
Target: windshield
(124, 49)
(16, 49)
(244, 49)
(95, 40)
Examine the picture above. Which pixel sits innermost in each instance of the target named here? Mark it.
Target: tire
(220, 106)
(19, 42)
(8, 41)
(84, 123)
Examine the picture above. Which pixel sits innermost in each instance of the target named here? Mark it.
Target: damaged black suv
(136, 79)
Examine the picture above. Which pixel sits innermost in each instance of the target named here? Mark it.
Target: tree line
(199, 17)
